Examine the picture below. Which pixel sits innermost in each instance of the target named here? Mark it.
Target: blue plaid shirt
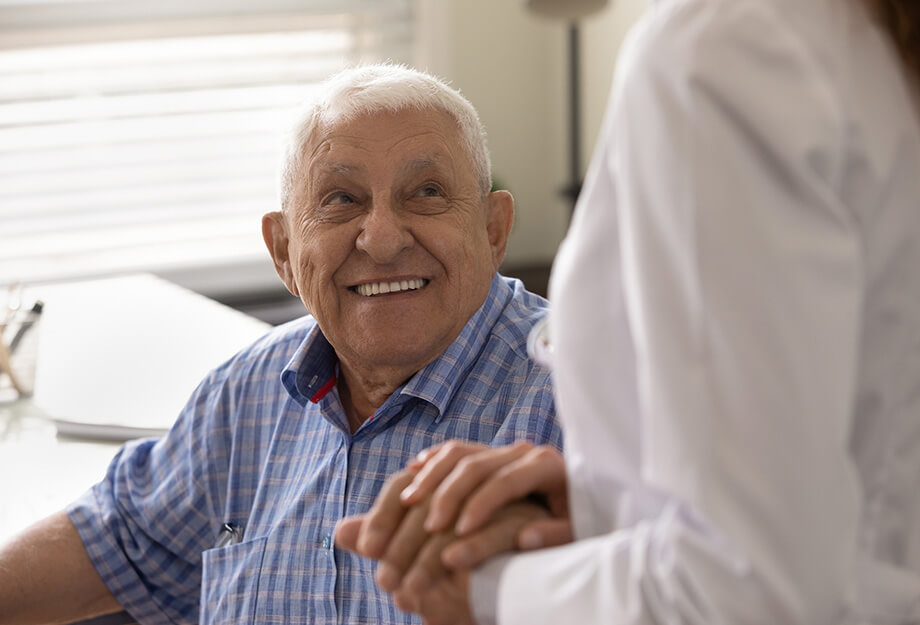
(264, 444)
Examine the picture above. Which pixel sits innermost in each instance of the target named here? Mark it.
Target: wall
(512, 65)
(602, 35)
(508, 64)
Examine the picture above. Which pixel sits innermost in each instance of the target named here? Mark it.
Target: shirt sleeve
(146, 523)
(741, 274)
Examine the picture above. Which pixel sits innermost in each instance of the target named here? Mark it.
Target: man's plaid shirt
(264, 444)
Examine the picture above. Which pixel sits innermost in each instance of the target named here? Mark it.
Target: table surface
(40, 472)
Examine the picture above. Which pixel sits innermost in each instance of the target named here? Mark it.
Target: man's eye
(429, 190)
(338, 198)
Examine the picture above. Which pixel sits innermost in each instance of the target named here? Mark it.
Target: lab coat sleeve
(742, 276)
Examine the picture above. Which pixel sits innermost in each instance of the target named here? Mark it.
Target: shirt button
(327, 542)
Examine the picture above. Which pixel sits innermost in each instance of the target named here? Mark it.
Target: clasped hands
(456, 505)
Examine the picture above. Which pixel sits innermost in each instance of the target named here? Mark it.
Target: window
(139, 135)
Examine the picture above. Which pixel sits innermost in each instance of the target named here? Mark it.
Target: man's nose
(384, 233)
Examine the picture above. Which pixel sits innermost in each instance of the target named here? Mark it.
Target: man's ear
(501, 218)
(274, 233)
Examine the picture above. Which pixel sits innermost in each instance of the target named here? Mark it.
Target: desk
(41, 473)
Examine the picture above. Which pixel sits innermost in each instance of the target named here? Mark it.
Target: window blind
(145, 136)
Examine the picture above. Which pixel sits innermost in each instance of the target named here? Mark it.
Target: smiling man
(389, 233)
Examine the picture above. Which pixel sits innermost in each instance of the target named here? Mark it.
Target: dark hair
(902, 19)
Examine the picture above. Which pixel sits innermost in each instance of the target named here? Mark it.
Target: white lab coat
(736, 322)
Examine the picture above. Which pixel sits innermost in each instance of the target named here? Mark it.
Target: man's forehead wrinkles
(422, 163)
(338, 168)
(349, 152)
(328, 143)
(427, 136)
(315, 156)
(323, 160)
(413, 165)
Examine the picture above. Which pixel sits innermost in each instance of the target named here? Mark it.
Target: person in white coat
(735, 336)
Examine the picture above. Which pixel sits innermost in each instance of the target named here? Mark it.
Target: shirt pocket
(230, 583)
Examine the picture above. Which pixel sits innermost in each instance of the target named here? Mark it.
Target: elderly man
(390, 235)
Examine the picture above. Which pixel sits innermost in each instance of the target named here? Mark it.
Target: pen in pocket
(230, 534)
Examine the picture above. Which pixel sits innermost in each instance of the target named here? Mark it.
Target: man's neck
(361, 396)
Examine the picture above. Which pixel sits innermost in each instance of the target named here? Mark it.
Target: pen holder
(19, 353)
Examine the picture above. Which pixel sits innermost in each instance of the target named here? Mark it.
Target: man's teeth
(379, 288)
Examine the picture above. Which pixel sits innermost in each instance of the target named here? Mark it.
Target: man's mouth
(381, 288)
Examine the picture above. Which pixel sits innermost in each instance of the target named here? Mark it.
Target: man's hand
(448, 602)
(448, 474)
(457, 505)
(413, 569)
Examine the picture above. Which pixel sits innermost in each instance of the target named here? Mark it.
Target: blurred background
(142, 135)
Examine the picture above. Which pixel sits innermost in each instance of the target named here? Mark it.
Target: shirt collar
(312, 372)
(437, 382)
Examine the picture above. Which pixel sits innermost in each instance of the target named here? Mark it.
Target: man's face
(389, 241)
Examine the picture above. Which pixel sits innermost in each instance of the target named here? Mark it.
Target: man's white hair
(369, 89)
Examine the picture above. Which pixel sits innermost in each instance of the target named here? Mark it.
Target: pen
(34, 314)
(230, 534)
